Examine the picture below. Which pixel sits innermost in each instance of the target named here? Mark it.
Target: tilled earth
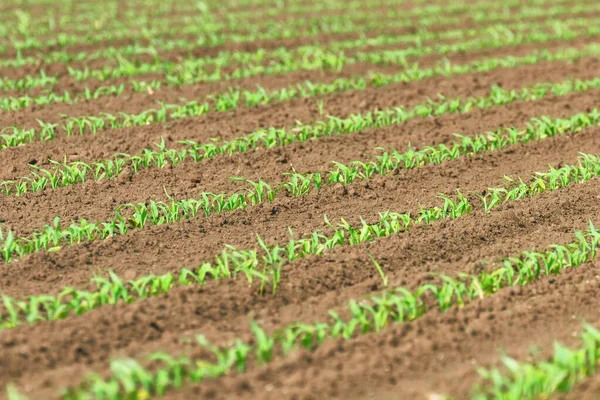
(437, 354)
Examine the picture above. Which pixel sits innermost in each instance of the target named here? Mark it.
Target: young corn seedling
(212, 29)
(320, 105)
(398, 305)
(384, 278)
(71, 173)
(93, 124)
(526, 380)
(272, 257)
(335, 60)
(13, 393)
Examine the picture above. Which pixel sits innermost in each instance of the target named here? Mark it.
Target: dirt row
(136, 102)
(86, 47)
(163, 248)
(280, 18)
(217, 7)
(176, 15)
(89, 148)
(59, 69)
(96, 201)
(265, 44)
(262, 25)
(48, 355)
(434, 355)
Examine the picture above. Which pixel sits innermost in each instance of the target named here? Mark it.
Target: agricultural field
(299, 199)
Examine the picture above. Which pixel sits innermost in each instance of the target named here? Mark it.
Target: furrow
(529, 218)
(96, 201)
(17, 159)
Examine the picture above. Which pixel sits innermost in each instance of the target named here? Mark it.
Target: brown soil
(265, 44)
(436, 354)
(309, 288)
(59, 69)
(174, 17)
(136, 102)
(216, 125)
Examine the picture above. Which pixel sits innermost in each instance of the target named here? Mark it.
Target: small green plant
(384, 278)
(13, 393)
(524, 380)
(266, 264)
(397, 305)
(320, 105)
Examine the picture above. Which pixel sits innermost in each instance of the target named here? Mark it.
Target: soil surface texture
(539, 55)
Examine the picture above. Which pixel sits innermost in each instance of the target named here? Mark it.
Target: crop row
(129, 379)
(207, 33)
(110, 16)
(246, 22)
(195, 71)
(528, 380)
(25, 32)
(183, 44)
(217, 38)
(450, 210)
(478, 9)
(78, 12)
(113, 16)
(229, 101)
(179, 44)
(265, 266)
(40, 6)
(74, 172)
(158, 213)
(25, 27)
(284, 61)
